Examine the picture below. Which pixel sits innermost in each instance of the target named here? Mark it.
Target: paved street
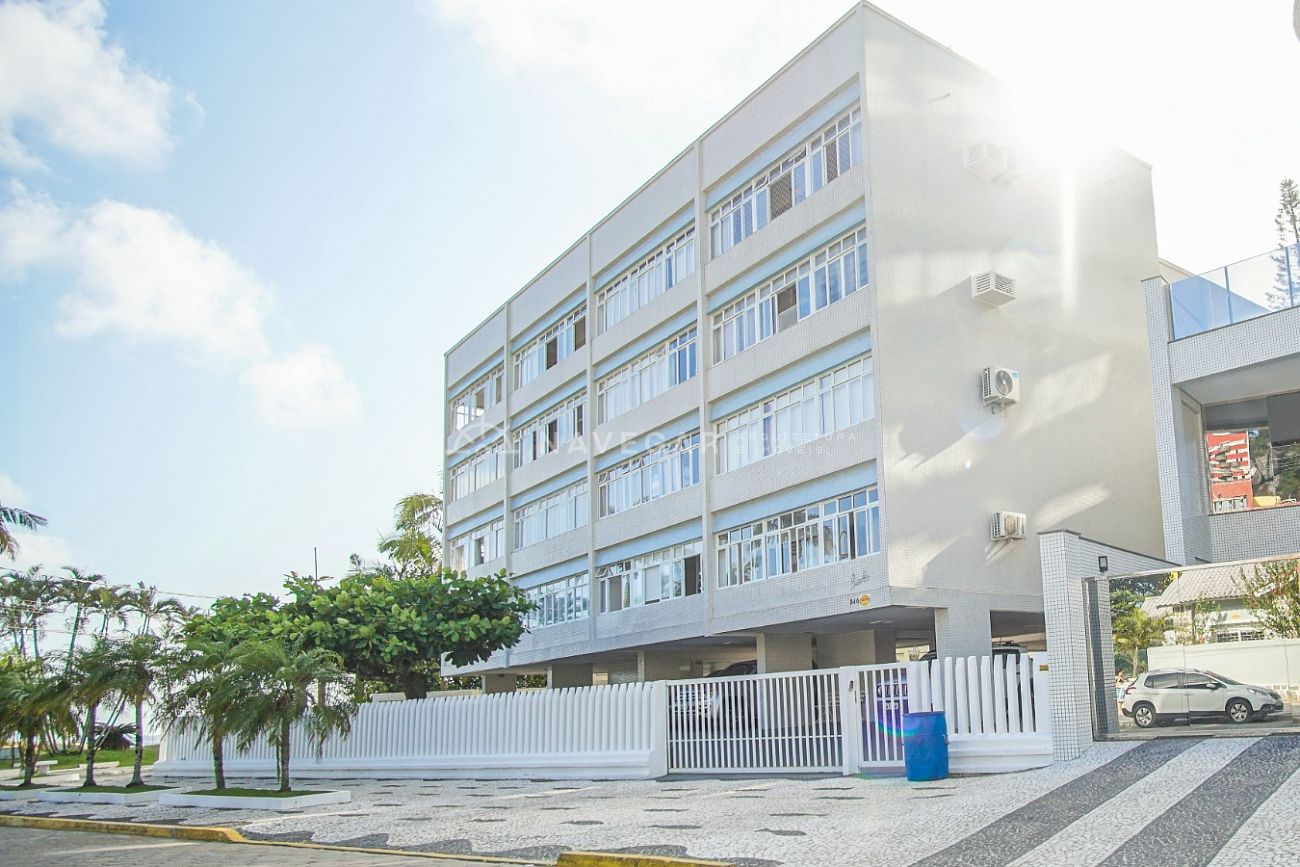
(29, 846)
(1172, 801)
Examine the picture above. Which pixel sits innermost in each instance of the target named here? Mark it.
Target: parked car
(748, 703)
(1159, 697)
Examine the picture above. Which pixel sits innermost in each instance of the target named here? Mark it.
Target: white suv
(1167, 694)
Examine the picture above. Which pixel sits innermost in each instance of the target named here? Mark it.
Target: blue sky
(236, 237)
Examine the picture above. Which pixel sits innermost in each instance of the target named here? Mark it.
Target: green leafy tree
(1136, 631)
(288, 683)
(1287, 220)
(395, 630)
(1271, 591)
(12, 517)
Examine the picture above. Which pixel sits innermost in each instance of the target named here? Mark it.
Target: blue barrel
(925, 746)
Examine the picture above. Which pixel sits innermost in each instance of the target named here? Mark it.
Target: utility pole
(315, 563)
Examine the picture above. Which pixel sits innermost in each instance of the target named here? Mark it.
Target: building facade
(774, 405)
(1225, 365)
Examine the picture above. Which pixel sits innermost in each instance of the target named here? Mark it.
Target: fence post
(850, 719)
(1042, 691)
(658, 760)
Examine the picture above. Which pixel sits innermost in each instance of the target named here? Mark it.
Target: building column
(964, 631)
(652, 665)
(864, 647)
(784, 651)
(500, 682)
(561, 675)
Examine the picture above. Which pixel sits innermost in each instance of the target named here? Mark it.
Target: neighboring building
(1207, 605)
(747, 415)
(1225, 364)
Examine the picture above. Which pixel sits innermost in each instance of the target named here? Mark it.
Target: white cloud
(66, 86)
(140, 275)
(13, 494)
(302, 388)
(651, 55)
(39, 549)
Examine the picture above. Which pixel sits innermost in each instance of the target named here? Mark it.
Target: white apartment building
(754, 413)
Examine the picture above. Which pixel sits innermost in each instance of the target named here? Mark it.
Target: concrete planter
(243, 802)
(121, 798)
(17, 794)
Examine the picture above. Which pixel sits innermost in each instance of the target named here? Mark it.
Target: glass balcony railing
(1250, 288)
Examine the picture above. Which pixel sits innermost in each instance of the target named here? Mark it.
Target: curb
(610, 859)
(216, 834)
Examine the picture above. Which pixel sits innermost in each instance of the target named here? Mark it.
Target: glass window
(669, 364)
(801, 539)
(799, 292)
(552, 515)
(788, 181)
(551, 347)
(648, 579)
(549, 432)
(471, 403)
(647, 280)
(561, 601)
(650, 475)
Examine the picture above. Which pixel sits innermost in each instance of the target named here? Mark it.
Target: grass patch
(21, 788)
(125, 758)
(120, 790)
(255, 793)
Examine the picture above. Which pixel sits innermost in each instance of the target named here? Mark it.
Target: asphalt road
(37, 847)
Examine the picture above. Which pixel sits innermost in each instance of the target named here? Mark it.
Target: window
(832, 273)
(671, 363)
(478, 546)
(483, 467)
(670, 573)
(470, 405)
(641, 284)
(551, 347)
(797, 175)
(823, 405)
(1192, 680)
(830, 531)
(650, 475)
(1162, 681)
(552, 515)
(1248, 470)
(559, 601)
(550, 431)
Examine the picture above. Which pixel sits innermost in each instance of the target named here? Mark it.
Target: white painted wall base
(597, 766)
(17, 794)
(243, 802)
(120, 798)
(998, 755)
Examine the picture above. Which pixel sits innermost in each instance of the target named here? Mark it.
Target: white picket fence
(842, 720)
(600, 732)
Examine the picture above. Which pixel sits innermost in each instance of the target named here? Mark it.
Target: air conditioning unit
(987, 160)
(992, 288)
(1006, 525)
(999, 386)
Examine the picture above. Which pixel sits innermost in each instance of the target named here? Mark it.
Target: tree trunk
(91, 744)
(219, 757)
(29, 758)
(72, 643)
(284, 755)
(136, 779)
(415, 684)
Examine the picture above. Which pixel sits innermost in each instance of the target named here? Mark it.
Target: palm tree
(29, 597)
(92, 679)
(78, 590)
(110, 602)
(291, 684)
(145, 601)
(203, 690)
(136, 663)
(1136, 631)
(30, 699)
(9, 516)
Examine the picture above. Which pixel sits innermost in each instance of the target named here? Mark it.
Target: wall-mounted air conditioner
(999, 386)
(987, 160)
(1006, 525)
(992, 288)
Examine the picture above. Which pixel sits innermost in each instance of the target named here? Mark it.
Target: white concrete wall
(1274, 663)
(1078, 239)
